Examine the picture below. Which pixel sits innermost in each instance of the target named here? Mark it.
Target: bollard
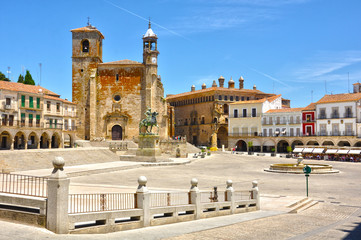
(195, 198)
(58, 197)
(143, 200)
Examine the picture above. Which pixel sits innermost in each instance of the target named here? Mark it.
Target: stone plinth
(148, 148)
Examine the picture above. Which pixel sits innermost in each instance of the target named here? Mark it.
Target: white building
(339, 114)
(282, 122)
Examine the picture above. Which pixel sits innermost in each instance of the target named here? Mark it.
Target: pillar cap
(58, 163)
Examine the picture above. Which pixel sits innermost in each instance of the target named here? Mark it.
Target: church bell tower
(150, 60)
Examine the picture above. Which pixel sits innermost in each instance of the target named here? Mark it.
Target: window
(225, 109)
(117, 98)
(215, 120)
(55, 123)
(278, 120)
(225, 98)
(235, 113)
(58, 107)
(31, 102)
(291, 119)
(22, 101)
(8, 101)
(38, 120)
(264, 132)
(117, 77)
(348, 112)
(186, 122)
(48, 104)
(30, 120)
(322, 113)
(335, 112)
(237, 98)
(51, 123)
(298, 132)
(37, 102)
(202, 121)
(291, 132)
(242, 98)
(323, 129)
(298, 120)
(23, 119)
(231, 98)
(335, 129)
(270, 132)
(254, 112)
(244, 113)
(85, 46)
(247, 98)
(348, 127)
(66, 125)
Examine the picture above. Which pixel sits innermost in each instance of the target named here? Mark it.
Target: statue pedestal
(148, 148)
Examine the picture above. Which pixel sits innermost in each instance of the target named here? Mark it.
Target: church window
(231, 98)
(225, 98)
(242, 98)
(220, 97)
(117, 77)
(237, 98)
(117, 98)
(85, 46)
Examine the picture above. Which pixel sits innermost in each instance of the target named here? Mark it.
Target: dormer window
(85, 46)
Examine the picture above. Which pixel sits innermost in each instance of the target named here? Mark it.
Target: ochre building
(112, 97)
(202, 115)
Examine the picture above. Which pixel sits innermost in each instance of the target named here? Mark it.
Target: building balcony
(335, 117)
(246, 116)
(5, 106)
(70, 128)
(22, 123)
(248, 134)
(308, 121)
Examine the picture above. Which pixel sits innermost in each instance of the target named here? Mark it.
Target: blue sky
(288, 47)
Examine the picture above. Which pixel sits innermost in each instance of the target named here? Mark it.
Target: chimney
(204, 86)
(193, 88)
(221, 81)
(214, 84)
(241, 82)
(254, 87)
(231, 83)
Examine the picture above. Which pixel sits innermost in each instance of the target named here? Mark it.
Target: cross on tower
(88, 21)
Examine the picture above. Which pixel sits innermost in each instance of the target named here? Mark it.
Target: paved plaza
(337, 216)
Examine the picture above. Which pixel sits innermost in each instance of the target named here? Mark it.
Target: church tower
(150, 60)
(87, 54)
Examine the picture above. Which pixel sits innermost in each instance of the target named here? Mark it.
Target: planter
(288, 155)
(273, 154)
(250, 153)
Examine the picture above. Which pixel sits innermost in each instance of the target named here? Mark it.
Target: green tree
(28, 78)
(21, 79)
(3, 77)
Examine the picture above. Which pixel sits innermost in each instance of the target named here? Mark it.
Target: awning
(269, 143)
(331, 151)
(342, 151)
(318, 150)
(354, 152)
(297, 150)
(307, 150)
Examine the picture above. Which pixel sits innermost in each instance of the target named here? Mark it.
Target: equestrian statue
(148, 122)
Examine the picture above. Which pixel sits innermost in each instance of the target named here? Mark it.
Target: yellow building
(202, 115)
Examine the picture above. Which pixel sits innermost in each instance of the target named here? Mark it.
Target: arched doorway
(312, 143)
(68, 141)
(19, 141)
(344, 144)
(32, 141)
(358, 144)
(5, 140)
(282, 146)
(268, 146)
(55, 141)
(296, 143)
(117, 132)
(44, 140)
(222, 136)
(241, 146)
(327, 143)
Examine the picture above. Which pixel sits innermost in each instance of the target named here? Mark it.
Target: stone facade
(202, 115)
(112, 97)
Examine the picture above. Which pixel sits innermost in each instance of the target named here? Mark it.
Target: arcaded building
(112, 97)
(202, 115)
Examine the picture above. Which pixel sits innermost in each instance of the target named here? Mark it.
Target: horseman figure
(149, 121)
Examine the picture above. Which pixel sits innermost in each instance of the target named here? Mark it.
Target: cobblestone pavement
(337, 216)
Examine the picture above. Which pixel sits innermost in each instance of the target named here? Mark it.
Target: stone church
(112, 97)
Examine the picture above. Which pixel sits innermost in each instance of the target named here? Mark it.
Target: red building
(309, 120)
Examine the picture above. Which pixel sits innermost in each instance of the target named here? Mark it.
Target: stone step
(293, 204)
(303, 205)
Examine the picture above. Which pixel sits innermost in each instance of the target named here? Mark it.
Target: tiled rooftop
(285, 110)
(344, 97)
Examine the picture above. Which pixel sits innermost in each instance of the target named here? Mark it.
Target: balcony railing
(335, 116)
(21, 123)
(5, 106)
(70, 128)
(254, 134)
(247, 116)
(309, 121)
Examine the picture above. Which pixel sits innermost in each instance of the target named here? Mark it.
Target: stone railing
(107, 212)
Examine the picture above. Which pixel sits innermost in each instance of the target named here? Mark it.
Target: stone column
(38, 145)
(230, 195)
(49, 143)
(214, 140)
(25, 144)
(255, 194)
(12, 144)
(195, 198)
(143, 200)
(58, 196)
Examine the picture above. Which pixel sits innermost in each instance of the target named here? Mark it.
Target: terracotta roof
(223, 89)
(285, 106)
(344, 97)
(284, 110)
(122, 62)
(87, 29)
(270, 99)
(58, 99)
(20, 87)
(311, 106)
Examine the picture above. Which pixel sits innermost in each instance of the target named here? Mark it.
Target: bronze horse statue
(149, 121)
